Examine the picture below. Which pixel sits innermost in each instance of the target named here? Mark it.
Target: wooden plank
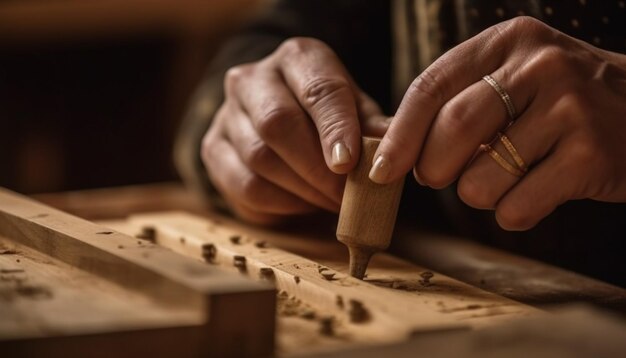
(233, 313)
(509, 275)
(398, 301)
(120, 202)
(575, 331)
(41, 296)
(491, 269)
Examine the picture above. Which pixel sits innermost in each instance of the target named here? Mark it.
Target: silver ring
(510, 108)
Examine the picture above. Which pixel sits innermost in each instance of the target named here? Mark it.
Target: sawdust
(327, 326)
(239, 262)
(357, 312)
(147, 233)
(339, 301)
(328, 276)
(267, 273)
(426, 276)
(402, 285)
(209, 252)
(14, 285)
(34, 292)
(290, 306)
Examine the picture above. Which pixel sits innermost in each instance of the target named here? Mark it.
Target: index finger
(457, 69)
(328, 94)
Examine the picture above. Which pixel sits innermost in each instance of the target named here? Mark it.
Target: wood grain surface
(396, 300)
(58, 252)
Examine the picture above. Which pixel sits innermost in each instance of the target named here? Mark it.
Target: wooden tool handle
(368, 211)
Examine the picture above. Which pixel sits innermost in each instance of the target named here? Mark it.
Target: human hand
(287, 130)
(570, 99)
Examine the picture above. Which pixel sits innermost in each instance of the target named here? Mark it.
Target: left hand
(570, 128)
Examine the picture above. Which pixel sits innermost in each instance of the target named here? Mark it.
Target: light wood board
(63, 277)
(398, 302)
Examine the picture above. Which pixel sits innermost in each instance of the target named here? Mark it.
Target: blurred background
(92, 91)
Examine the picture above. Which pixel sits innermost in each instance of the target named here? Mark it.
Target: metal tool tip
(359, 259)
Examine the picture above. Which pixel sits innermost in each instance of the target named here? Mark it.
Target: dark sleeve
(358, 31)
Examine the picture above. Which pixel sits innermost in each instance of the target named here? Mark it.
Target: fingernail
(417, 177)
(380, 170)
(340, 155)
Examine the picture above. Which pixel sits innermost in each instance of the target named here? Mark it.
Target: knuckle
(472, 191)
(256, 155)
(525, 24)
(234, 75)
(320, 89)
(427, 84)
(250, 189)
(553, 59)
(509, 32)
(572, 111)
(276, 122)
(456, 119)
(332, 127)
(295, 46)
(584, 150)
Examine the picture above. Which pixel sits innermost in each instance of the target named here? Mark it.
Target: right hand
(287, 131)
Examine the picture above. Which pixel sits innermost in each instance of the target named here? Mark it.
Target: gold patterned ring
(517, 166)
(508, 103)
(521, 165)
(501, 161)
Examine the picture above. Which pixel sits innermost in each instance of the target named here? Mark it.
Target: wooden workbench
(493, 270)
(502, 273)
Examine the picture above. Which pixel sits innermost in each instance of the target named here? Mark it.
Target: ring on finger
(517, 166)
(508, 103)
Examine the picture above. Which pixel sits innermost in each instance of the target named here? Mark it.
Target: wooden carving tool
(368, 211)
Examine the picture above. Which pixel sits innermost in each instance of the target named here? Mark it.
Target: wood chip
(357, 312)
(267, 273)
(240, 262)
(328, 276)
(147, 233)
(209, 252)
(327, 326)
